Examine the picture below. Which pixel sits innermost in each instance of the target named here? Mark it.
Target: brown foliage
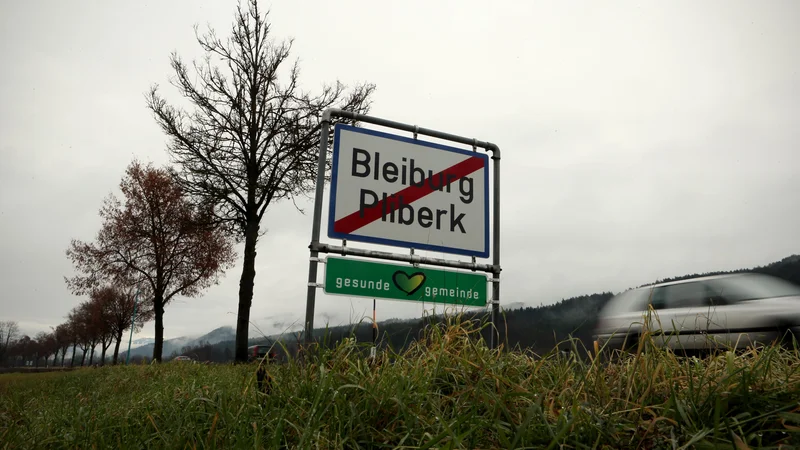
(119, 305)
(87, 325)
(156, 236)
(45, 346)
(64, 337)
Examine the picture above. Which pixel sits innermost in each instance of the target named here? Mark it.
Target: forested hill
(788, 268)
(535, 328)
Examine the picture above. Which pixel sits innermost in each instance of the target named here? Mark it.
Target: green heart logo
(408, 283)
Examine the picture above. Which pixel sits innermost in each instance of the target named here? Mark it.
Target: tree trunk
(246, 284)
(116, 347)
(159, 309)
(72, 359)
(103, 354)
(83, 356)
(91, 355)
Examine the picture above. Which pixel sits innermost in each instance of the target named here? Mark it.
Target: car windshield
(752, 287)
(628, 301)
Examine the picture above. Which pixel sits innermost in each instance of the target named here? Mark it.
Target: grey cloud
(639, 142)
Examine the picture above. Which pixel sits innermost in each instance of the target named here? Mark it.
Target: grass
(447, 390)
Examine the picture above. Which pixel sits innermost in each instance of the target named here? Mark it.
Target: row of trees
(18, 349)
(251, 139)
(153, 244)
(92, 325)
(155, 241)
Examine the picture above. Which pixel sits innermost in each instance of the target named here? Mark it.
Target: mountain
(170, 346)
(176, 345)
(220, 334)
(787, 268)
(142, 341)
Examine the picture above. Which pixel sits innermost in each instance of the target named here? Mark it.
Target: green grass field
(446, 391)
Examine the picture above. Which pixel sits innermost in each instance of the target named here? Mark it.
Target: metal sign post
(373, 350)
(133, 318)
(396, 191)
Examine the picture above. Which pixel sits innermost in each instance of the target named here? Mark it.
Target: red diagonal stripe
(353, 222)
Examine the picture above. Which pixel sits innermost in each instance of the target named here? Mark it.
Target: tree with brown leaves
(118, 304)
(21, 349)
(63, 338)
(72, 329)
(252, 139)
(45, 344)
(101, 321)
(85, 334)
(156, 236)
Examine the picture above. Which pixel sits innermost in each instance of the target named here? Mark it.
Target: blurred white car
(723, 311)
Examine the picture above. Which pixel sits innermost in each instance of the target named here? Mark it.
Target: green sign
(356, 277)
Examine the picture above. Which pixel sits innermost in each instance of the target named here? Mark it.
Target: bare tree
(9, 330)
(251, 139)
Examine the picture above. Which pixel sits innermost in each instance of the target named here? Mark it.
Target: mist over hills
(142, 341)
(176, 345)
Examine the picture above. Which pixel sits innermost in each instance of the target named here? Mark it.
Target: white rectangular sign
(398, 191)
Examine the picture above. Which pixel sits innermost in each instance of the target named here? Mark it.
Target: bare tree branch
(251, 138)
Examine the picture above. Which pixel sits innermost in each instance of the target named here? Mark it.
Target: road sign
(361, 278)
(398, 191)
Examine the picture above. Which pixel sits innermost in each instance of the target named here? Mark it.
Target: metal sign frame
(355, 236)
(316, 247)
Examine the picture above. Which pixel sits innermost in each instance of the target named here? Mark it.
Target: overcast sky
(640, 140)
